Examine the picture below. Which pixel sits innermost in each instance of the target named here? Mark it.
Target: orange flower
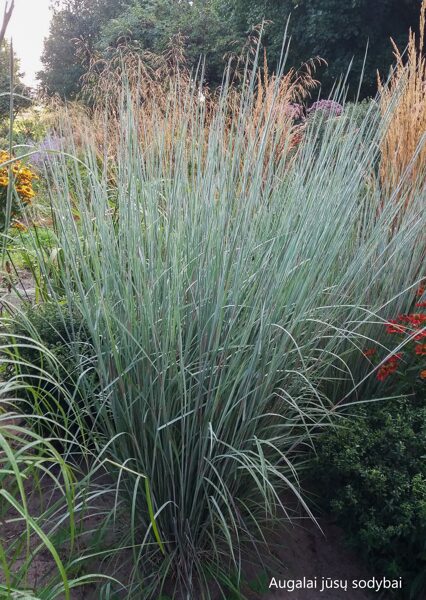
(26, 191)
(4, 156)
(22, 176)
(423, 374)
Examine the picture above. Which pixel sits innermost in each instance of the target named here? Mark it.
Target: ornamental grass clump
(405, 93)
(226, 292)
(155, 82)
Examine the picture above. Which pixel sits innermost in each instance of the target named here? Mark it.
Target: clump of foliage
(16, 187)
(363, 109)
(372, 474)
(45, 508)
(326, 119)
(30, 126)
(404, 97)
(30, 465)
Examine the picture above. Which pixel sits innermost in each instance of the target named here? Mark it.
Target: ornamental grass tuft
(227, 284)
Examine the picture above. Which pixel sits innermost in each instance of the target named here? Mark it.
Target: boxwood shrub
(372, 477)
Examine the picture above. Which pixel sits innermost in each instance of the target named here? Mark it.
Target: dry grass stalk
(157, 83)
(403, 148)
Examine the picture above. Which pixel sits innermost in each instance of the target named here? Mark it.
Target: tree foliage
(75, 29)
(151, 24)
(5, 83)
(338, 32)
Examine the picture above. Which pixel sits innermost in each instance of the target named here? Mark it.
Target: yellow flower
(23, 177)
(20, 226)
(26, 191)
(25, 173)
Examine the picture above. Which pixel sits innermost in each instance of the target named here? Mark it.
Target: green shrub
(372, 473)
(345, 122)
(359, 111)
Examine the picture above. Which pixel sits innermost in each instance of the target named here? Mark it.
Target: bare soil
(16, 288)
(300, 551)
(306, 551)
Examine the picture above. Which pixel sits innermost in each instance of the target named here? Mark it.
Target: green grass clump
(227, 295)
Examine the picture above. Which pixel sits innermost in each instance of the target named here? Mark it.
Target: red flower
(421, 290)
(392, 326)
(369, 352)
(388, 367)
(415, 319)
(420, 336)
(382, 373)
(421, 349)
(421, 304)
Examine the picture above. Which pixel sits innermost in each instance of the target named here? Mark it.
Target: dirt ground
(22, 289)
(300, 551)
(307, 552)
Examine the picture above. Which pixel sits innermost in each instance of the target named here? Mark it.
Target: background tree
(149, 25)
(5, 67)
(339, 32)
(334, 30)
(19, 86)
(74, 30)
